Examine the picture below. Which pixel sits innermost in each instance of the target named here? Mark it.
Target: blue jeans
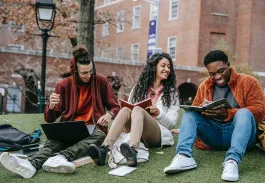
(235, 136)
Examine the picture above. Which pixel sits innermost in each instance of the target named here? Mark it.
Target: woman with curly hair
(158, 82)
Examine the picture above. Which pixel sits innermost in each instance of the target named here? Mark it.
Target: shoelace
(229, 166)
(178, 157)
(134, 148)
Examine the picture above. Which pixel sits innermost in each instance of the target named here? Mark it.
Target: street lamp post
(45, 12)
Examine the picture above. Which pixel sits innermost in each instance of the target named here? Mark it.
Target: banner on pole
(151, 38)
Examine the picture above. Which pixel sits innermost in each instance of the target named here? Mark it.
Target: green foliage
(241, 66)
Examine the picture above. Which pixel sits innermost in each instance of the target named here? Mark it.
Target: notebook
(69, 130)
(122, 171)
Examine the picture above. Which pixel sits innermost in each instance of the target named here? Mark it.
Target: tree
(72, 16)
(115, 83)
(240, 66)
(22, 13)
(86, 25)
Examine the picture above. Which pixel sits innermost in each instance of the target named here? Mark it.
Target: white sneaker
(230, 172)
(17, 165)
(180, 163)
(58, 164)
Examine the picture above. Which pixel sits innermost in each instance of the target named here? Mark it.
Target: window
(106, 2)
(171, 48)
(105, 30)
(173, 9)
(220, 7)
(136, 17)
(153, 11)
(105, 53)
(135, 51)
(120, 22)
(216, 39)
(13, 100)
(119, 52)
(15, 27)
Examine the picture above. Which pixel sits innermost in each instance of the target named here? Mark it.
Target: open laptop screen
(70, 130)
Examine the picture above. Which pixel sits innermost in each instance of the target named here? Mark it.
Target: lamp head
(45, 10)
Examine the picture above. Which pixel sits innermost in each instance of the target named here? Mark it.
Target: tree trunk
(86, 25)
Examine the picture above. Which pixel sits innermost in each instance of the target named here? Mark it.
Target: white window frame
(119, 52)
(153, 10)
(105, 29)
(105, 53)
(170, 10)
(106, 2)
(169, 47)
(20, 29)
(136, 17)
(11, 105)
(132, 52)
(120, 21)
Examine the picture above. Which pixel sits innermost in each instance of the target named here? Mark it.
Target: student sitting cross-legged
(157, 82)
(83, 96)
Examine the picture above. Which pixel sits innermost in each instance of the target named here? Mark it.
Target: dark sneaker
(98, 154)
(130, 154)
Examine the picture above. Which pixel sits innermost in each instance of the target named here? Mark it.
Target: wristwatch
(111, 113)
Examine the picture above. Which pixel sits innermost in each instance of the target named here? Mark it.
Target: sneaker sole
(173, 171)
(126, 151)
(13, 165)
(59, 169)
(229, 179)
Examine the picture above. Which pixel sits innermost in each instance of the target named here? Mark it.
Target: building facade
(187, 30)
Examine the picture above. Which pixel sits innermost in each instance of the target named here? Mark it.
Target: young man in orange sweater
(233, 129)
(83, 96)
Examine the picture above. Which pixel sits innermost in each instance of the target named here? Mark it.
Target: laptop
(69, 130)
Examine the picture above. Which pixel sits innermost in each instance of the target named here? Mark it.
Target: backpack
(12, 139)
(261, 134)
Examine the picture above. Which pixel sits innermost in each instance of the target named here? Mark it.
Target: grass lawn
(209, 164)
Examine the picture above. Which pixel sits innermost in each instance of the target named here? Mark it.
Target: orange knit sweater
(247, 92)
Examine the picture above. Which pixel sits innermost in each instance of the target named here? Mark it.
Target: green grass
(209, 164)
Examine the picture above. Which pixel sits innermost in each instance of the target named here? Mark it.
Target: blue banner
(151, 38)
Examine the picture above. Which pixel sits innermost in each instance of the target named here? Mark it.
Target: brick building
(186, 29)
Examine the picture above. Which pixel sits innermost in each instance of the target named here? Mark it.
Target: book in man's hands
(222, 103)
(143, 104)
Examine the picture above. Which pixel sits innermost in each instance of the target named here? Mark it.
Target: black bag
(12, 139)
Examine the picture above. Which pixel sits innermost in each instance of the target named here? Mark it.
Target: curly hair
(148, 77)
(215, 55)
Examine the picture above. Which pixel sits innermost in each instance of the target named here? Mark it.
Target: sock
(187, 156)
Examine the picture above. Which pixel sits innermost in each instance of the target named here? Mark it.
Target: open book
(222, 103)
(143, 104)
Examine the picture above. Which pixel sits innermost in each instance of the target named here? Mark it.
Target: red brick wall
(257, 41)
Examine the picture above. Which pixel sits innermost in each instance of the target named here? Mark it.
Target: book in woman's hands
(222, 103)
(143, 104)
